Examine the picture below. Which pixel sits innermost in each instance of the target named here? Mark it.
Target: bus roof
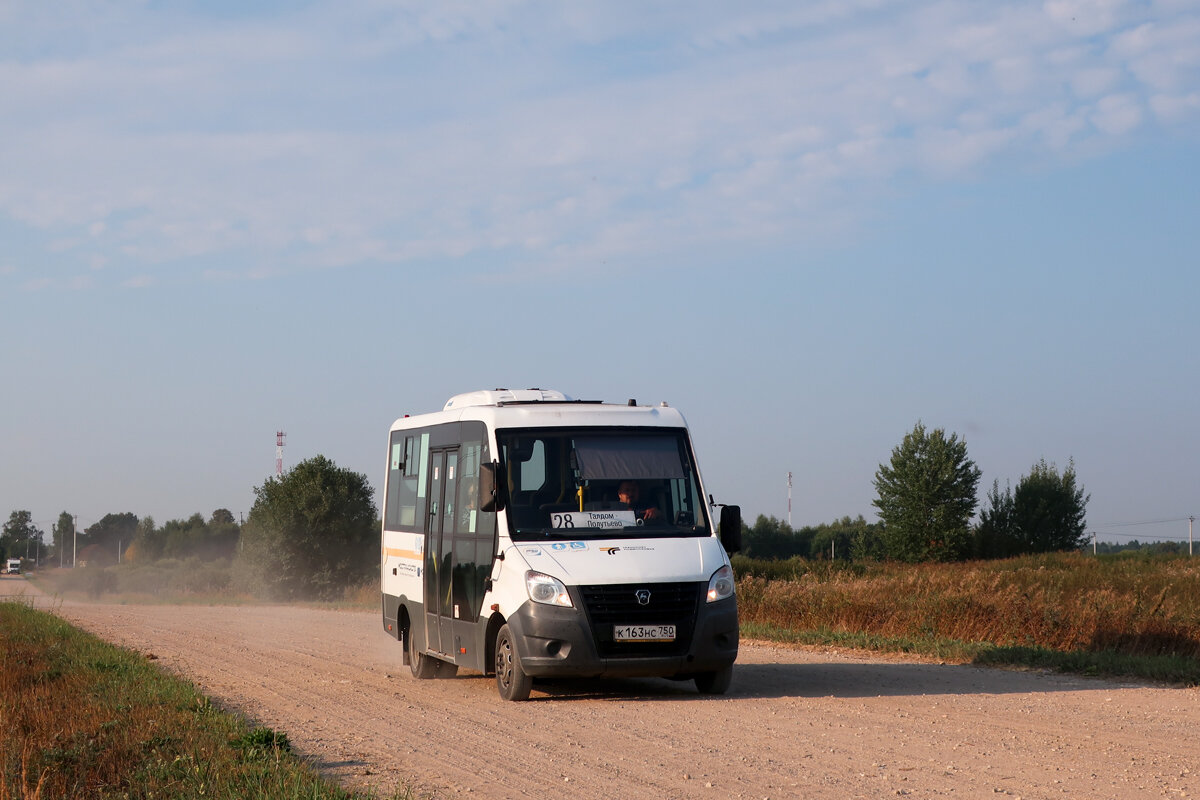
(537, 408)
(496, 397)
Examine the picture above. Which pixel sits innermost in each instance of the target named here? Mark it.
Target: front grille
(670, 604)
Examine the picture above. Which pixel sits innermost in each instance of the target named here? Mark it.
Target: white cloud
(138, 282)
(1094, 81)
(1117, 114)
(1176, 108)
(1056, 125)
(357, 132)
(1086, 17)
(952, 151)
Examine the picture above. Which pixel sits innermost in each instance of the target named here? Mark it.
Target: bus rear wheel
(511, 680)
(423, 667)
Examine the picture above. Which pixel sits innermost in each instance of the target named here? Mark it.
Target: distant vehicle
(508, 548)
(13, 567)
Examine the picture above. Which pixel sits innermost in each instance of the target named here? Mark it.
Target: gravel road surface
(796, 723)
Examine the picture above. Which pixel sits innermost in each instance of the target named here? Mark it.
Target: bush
(311, 532)
(99, 580)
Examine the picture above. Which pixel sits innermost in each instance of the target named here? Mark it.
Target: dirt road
(795, 724)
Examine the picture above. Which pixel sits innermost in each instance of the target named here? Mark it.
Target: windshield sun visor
(628, 457)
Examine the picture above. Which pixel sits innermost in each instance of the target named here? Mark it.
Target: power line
(1143, 522)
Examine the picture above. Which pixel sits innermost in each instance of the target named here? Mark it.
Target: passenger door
(439, 545)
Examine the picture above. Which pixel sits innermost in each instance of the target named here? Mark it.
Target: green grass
(946, 649)
(80, 718)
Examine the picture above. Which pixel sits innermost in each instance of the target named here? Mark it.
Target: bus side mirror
(490, 493)
(731, 528)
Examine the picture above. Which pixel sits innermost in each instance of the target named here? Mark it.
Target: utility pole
(74, 539)
(1191, 519)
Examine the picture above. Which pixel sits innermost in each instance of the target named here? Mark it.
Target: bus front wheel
(715, 682)
(511, 680)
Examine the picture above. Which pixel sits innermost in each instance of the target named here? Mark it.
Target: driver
(630, 494)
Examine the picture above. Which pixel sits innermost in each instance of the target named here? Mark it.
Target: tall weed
(1060, 602)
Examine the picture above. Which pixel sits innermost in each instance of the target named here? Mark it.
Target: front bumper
(565, 642)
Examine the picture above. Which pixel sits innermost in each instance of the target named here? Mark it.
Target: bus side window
(394, 481)
(407, 495)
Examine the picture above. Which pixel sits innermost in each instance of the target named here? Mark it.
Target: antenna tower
(789, 499)
(279, 436)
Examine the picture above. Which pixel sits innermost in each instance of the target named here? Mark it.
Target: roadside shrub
(98, 581)
(203, 578)
(166, 578)
(364, 595)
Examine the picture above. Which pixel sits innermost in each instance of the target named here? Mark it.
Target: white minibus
(530, 535)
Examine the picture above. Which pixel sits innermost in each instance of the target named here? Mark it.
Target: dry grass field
(1066, 603)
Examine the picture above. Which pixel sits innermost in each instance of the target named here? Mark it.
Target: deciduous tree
(772, 538)
(17, 533)
(311, 532)
(1045, 513)
(995, 537)
(108, 537)
(1049, 509)
(926, 497)
(63, 532)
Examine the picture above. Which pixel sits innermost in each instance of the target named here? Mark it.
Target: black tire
(715, 682)
(511, 680)
(423, 667)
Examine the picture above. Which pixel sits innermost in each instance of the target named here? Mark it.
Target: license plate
(643, 633)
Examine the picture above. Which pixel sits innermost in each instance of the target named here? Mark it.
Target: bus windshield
(600, 482)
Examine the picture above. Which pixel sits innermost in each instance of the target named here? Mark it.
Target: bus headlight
(720, 585)
(546, 589)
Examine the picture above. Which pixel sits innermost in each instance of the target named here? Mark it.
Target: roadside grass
(80, 718)
(361, 597)
(1115, 615)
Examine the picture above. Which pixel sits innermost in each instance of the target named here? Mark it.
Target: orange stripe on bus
(398, 553)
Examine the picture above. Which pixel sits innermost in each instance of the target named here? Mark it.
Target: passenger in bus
(630, 495)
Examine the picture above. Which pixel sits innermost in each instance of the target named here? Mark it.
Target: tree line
(310, 533)
(314, 529)
(926, 498)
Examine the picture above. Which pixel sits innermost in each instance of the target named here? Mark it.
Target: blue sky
(807, 225)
